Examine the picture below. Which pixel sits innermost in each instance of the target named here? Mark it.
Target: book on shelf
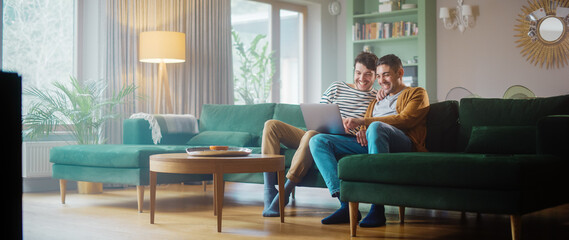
(381, 30)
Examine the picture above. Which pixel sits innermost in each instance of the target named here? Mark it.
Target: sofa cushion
(239, 118)
(110, 155)
(137, 131)
(290, 114)
(455, 170)
(506, 112)
(442, 126)
(236, 139)
(502, 140)
(236, 118)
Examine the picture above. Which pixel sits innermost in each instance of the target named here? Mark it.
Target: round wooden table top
(184, 163)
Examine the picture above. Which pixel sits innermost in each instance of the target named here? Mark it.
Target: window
(291, 57)
(38, 41)
(282, 24)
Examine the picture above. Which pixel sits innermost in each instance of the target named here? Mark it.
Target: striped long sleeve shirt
(352, 102)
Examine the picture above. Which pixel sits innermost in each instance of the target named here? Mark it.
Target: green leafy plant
(253, 83)
(81, 109)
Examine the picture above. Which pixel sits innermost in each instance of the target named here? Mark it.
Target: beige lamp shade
(162, 46)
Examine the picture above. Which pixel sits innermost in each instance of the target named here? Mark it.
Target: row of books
(381, 30)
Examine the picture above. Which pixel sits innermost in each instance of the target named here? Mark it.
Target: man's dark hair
(392, 61)
(367, 59)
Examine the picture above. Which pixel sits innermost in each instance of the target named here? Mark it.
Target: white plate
(231, 152)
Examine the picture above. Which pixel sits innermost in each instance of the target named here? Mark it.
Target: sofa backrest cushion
(506, 112)
(236, 118)
(442, 126)
(291, 114)
(137, 131)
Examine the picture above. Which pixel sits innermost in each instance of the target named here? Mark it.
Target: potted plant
(80, 109)
(253, 83)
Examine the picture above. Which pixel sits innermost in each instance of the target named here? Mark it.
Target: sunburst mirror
(542, 32)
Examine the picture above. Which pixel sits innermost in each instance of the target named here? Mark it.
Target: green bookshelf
(362, 15)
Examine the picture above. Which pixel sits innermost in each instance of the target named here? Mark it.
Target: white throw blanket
(168, 123)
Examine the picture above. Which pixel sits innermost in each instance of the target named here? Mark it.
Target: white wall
(485, 59)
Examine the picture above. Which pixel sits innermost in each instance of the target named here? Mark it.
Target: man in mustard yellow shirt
(396, 123)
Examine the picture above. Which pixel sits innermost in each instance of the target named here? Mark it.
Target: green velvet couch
(498, 156)
(128, 163)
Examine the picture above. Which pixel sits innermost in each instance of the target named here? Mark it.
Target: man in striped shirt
(352, 99)
(395, 123)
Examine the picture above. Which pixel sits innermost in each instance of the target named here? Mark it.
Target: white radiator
(35, 158)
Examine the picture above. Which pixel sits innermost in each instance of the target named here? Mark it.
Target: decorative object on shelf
(334, 8)
(458, 93)
(408, 6)
(518, 92)
(461, 17)
(542, 33)
(389, 5)
(413, 60)
(162, 47)
(367, 48)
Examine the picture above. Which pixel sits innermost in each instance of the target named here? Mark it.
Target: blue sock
(375, 217)
(269, 192)
(342, 215)
(273, 210)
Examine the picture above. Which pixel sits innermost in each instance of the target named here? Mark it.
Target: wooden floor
(185, 212)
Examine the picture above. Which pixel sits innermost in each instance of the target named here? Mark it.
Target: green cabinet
(416, 50)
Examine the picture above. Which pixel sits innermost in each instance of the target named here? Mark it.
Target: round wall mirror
(551, 29)
(543, 33)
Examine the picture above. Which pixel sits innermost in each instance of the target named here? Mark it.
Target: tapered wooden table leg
(214, 196)
(152, 195)
(281, 176)
(218, 181)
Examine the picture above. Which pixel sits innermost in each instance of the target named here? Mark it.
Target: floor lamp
(162, 47)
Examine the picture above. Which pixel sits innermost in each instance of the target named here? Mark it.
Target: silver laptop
(324, 118)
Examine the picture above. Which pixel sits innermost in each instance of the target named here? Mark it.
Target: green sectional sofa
(498, 156)
(128, 163)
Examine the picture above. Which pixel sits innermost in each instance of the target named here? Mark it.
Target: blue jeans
(381, 138)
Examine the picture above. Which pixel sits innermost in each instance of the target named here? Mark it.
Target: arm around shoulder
(412, 107)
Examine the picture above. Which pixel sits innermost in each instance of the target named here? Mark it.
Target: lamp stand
(163, 86)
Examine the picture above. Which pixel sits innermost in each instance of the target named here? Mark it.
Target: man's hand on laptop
(351, 123)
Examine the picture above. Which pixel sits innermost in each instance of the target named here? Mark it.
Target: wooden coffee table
(184, 163)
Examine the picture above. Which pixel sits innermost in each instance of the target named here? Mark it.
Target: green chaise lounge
(128, 163)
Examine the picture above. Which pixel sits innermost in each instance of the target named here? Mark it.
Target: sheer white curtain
(206, 76)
